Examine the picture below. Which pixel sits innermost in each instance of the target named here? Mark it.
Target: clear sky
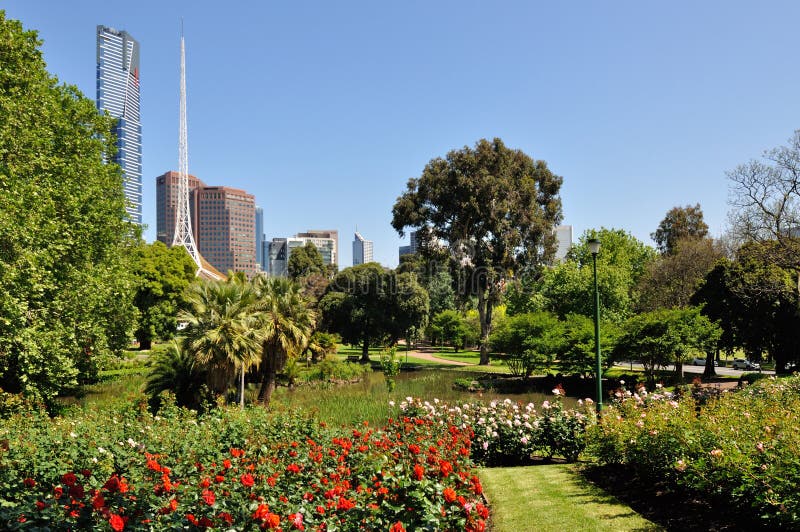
(323, 110)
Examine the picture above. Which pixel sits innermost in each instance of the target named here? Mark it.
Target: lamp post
(594, 248)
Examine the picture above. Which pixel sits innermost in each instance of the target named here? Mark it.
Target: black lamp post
(594, 248)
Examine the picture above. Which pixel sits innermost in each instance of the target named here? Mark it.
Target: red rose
(261, 512)
(247, 480)
(69, 479)
(76, 491)
(445, 468)
(98, 501)
(419, 472)
(205, 483)
(40, 505)
(226, 464)
(209, 497)
(449, 495)
(29, 482)
(116, 522)
(397, 527)
(273, 521)
(58, 492)
(293, 468)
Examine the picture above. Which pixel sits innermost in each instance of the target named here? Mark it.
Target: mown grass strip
(554, 498)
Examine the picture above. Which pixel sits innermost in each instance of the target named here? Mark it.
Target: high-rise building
(362, 250)
(564, 238)
(261, 264)
(225, 228)
(410, 249)
(167, 205)
(280, 249)
(223, 221)
(118, 94)
(330, 234)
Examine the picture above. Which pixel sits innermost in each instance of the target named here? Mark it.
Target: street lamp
(594, 248)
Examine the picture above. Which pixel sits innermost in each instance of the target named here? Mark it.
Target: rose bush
(129, 470)
(738, 451)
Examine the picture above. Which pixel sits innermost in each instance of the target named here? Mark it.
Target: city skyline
(640, 108)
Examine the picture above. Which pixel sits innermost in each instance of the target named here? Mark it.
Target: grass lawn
(545, 498)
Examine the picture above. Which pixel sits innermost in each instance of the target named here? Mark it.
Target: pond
(368, 400)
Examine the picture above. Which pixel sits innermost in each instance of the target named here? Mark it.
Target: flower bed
(508, 433)
(738, 451)
(234, 470)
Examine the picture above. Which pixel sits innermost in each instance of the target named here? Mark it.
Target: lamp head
(594, 246)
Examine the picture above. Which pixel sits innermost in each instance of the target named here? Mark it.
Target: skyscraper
(564, 239)
(261, 264)
(118, 94)
(225, 228)
(362, 250)
(167, 205)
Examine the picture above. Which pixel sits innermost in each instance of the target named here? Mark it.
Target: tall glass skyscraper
(118, 93)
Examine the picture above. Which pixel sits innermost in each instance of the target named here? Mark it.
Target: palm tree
(222, 332)
(286, 323)
(177, 371)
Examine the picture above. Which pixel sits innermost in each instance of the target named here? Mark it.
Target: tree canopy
(161, 277)
(369, 304)
(305, 261)
(494, 207)
(65, 294)
(680, 223)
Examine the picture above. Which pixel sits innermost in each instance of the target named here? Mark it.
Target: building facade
(362, 250)
(564, 238)
(327, 234)
(223, 222)
(280, 249)
(167, 205)
(118, 94)
(225, 228)
(261, 263)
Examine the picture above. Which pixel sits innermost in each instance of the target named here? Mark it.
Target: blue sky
(323, 110)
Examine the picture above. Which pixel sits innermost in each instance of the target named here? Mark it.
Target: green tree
(667, 336)
(305, 261)
(285, 323)
(222, 333)
(161, 275)
(568, 287)
(177, 371)
(440, 292)
(530, 339)
(680, 223)
(494, 207)
(756, 302)
(450, 327)
(576, 347)
(671, 280)
(370, 305)
(65, 294)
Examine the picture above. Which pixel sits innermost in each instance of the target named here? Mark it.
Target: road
(689, 368)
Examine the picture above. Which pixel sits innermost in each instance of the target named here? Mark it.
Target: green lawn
(555, 498)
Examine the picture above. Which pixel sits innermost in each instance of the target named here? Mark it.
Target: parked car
(702, 362)
(741, 363)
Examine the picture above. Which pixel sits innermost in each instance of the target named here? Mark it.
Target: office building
(261, 263)
(223, 222)
(225, 228)
(362, 250)
(411, 248)
(118, 94)
(280, 249)
(403, 250)
(328, 234)
(167, 205)
(564, 238)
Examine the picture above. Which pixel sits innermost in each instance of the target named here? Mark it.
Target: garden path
(426, 354)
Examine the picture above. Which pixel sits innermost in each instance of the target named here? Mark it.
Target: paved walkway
(426, 354)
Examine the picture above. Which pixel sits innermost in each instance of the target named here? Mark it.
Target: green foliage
(440, 292)
(368, 304)
(495, 207)
(177, 371)
(449, 326)
(305, 261)
(531, 341)
(64, 288)
(738, 452)
(576, 350)
(755, 300)
(390, 366)
(161, 275)
(568, 287)
(331, 370)
(680, 223)
(664, 337)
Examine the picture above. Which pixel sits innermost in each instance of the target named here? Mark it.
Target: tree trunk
(267, 387)
(485, 315)
(145, 342)
(709, 371)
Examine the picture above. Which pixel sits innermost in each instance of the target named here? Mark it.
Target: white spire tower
(183, 223)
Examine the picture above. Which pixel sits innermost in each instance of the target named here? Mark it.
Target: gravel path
(426, 355)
